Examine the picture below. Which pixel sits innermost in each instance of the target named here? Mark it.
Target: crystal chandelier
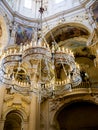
(35, 68)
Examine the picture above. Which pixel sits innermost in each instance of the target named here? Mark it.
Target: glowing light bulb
(59, 49)
(63, 49)
(67, 50)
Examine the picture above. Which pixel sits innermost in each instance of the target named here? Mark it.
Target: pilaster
(2, 91)
(2, 124)
(33, 113)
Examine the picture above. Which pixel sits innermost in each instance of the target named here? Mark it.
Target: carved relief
(53, 105)
(17, 101)
(80, 17)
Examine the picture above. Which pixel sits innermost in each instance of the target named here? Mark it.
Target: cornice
(23, 19)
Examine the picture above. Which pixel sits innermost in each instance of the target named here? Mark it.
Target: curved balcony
(85, 88)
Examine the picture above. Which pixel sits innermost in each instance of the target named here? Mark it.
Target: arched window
(28, 4)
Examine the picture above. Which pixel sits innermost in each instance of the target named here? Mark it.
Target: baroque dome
(29, 8)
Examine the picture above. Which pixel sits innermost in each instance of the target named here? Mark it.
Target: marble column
(2, 124)
(33, 113)
(44, 110)
(38, 114)
(25, 125)
(2, 92)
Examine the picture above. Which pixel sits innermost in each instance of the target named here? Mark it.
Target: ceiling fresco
(23, 35)
(74, 38)
(66, 32)
(73, 43)
(78, 47)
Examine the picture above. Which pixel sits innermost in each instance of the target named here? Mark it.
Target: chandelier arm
(57, 48)
(40, 71)
(55, 43)
(63, 67)
(48, 68)
(49, 30)
(36, 8)
(41, 10)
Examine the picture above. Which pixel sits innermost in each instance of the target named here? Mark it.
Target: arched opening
(78, 116)
(13, 121)
(67, 33)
